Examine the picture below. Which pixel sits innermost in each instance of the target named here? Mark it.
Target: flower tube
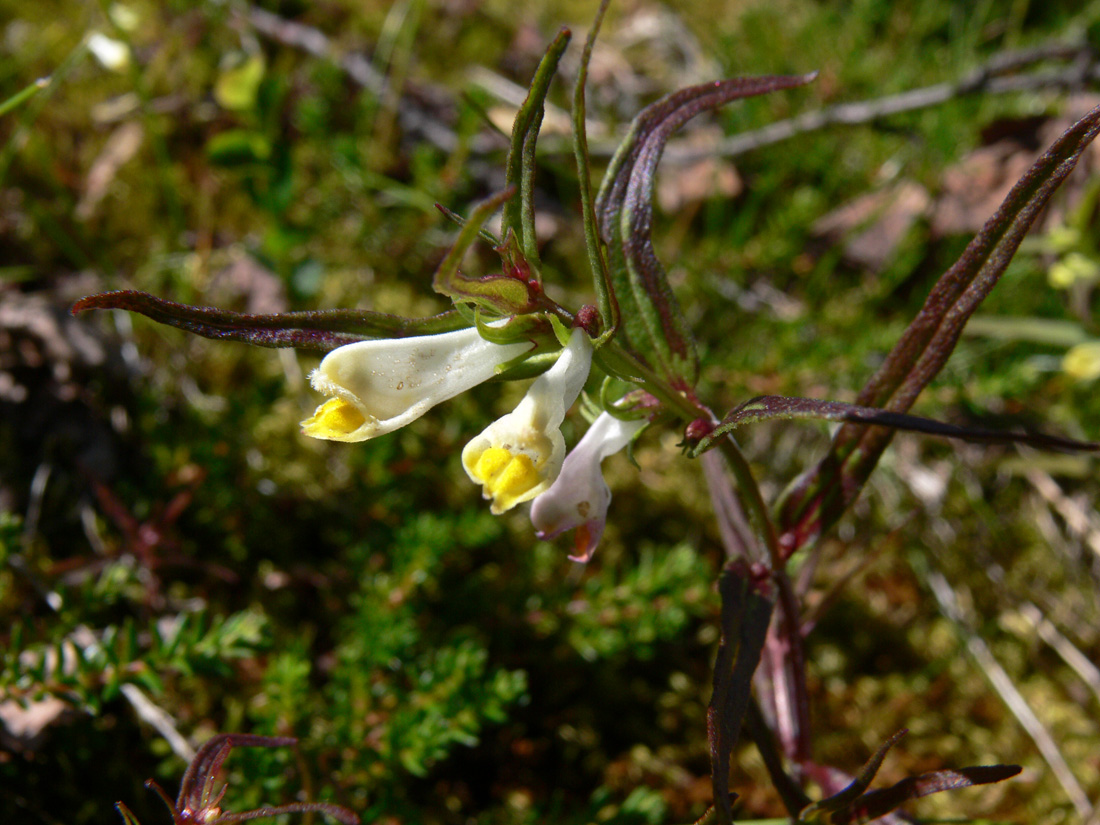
(381, 385)
(579, 498)
(519, 455)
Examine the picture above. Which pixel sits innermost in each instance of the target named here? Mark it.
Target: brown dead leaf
(692, 183)
(686, 183)
(974, 188)
(23, 728)
(248, 285)
(120, 147)
(874, 224)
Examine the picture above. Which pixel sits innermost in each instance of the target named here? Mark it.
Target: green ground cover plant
(762, 615)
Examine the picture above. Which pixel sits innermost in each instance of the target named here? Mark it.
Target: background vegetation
(170, 541)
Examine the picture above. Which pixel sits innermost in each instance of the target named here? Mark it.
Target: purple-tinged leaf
(772, 407)
(746, 613)
(322, 330)
(200, 795)
(209, 760)
(876, 804)
(511, 292)
(653, 326)
(854, 804)
(847, 797)
(818, 499)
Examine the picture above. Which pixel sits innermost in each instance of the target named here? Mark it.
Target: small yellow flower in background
(519, 455)
(1082, 362)
(379, 386)
(1072, 268)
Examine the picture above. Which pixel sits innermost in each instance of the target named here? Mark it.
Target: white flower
(111, 54)
(579, 498)
(518, 456)
(381, 385)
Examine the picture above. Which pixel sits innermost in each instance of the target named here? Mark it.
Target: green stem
(614, 360)
(21, 97)
(519, 214)
(601, 278)
(35, 102)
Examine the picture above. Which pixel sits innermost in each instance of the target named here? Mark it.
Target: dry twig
(1002, 683)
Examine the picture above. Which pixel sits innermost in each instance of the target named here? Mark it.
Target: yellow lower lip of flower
(334, 420)
(505, 478)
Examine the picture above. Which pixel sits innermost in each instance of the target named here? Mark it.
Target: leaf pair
(819, 498)
(746, 613)
(856, 804)
(519, 288)
(653, 326)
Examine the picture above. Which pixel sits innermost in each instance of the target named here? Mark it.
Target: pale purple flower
(579, 497)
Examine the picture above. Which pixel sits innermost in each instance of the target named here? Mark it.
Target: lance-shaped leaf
(510, 292)
(746, 612)
(771, 407)
(653, 325)
(855, 804)
(818, 499)
(321, 330)
(519, 216)
(821, 810)
(879, 803)
(605, 295)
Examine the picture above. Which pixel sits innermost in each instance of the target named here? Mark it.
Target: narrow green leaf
(746, 612)
(653, 325)
(505, 293)
(519, 216)
(818, 499)
(1049, 332)
(601, 277)
(23, 95)
(460, 221)
(775, 407)
(320, 330)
